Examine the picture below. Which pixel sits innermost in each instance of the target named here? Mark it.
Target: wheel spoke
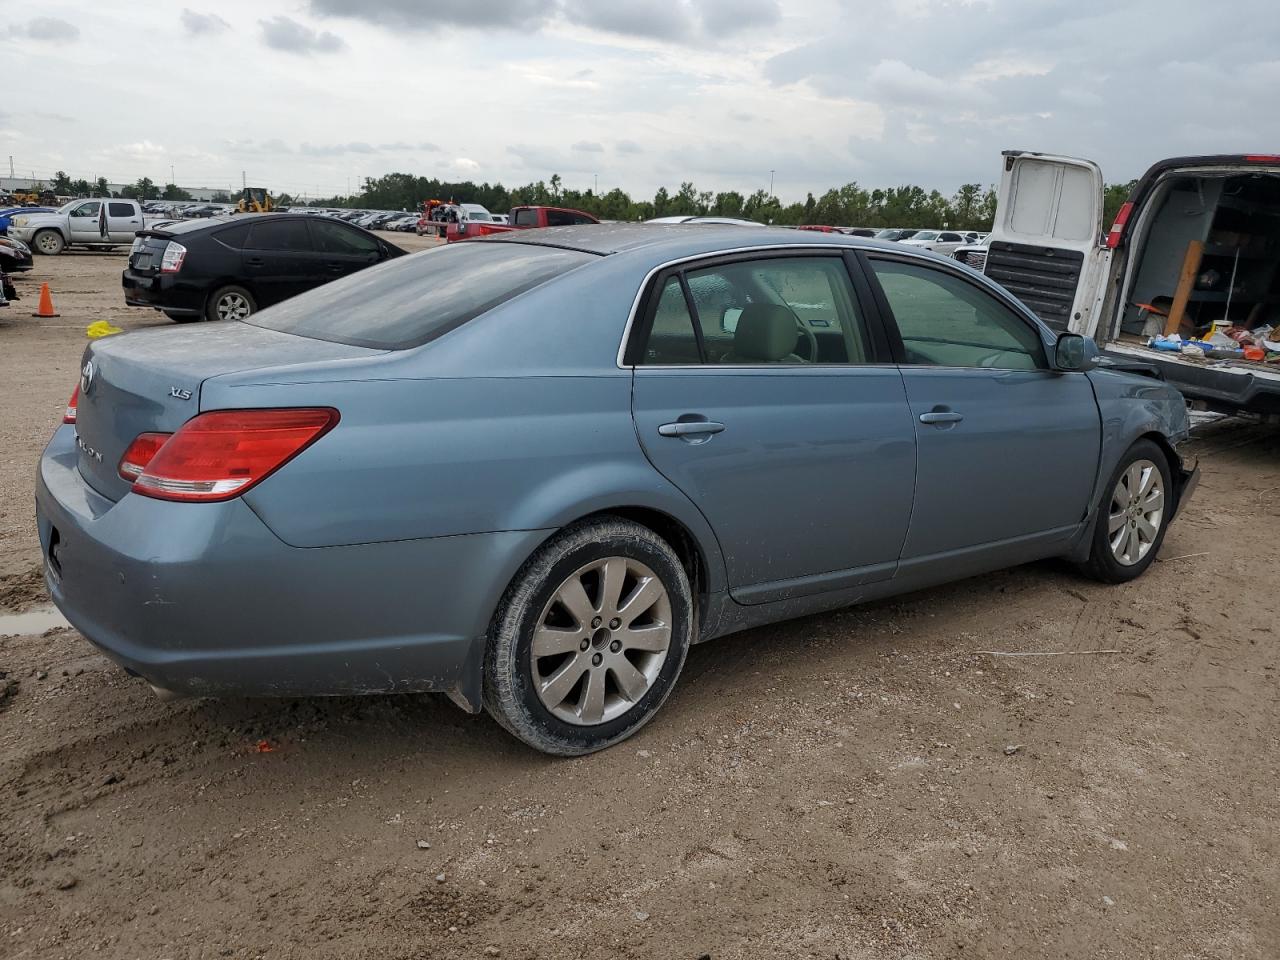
(1154, 501)
(591, 710)
(651, 639)
(574, 599)
(1149, 476)
(1115, 522)
(1147, 529)
(631, 681)
(1133, 545)
(551, 641)
(1132, 481)
(644, 596)
(557, 687)
(612, 574)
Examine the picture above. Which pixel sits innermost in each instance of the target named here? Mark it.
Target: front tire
(1133, 516)
(230, 303)
(589, 639)
(48, 242)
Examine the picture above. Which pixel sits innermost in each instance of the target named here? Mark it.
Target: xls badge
(180, 393)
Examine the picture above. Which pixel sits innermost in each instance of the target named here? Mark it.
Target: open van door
(1045, 246)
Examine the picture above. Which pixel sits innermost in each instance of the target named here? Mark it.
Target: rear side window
(233, 237)
(410, 300)
(270, 234)
(526, 218)
(335, 238)
(119, 210)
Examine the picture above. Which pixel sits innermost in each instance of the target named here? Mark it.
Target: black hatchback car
(226, 268)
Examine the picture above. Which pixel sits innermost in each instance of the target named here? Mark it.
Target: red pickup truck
(520, 218)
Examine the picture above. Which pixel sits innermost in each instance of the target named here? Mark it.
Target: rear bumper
(163, 292)
(204, 600)
(1227, 389)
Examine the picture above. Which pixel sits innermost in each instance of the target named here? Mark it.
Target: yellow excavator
(255, 200)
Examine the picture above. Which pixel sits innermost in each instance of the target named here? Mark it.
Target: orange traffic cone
(46, 303)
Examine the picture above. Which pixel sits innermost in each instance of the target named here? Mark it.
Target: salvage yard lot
(872, 783)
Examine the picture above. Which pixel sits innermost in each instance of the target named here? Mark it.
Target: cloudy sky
(310, 95)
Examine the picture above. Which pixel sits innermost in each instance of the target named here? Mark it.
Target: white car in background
(939, 241)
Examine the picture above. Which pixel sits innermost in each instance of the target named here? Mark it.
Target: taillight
(171, 260)
(1117, 228)
(140, 453)
(1262, 158)
(69, 415)
(221, 454)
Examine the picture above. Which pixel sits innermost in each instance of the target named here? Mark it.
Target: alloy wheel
(233, 306)
(601, 641)
(1136, 513)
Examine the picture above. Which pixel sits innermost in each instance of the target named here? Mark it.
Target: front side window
(89, 209)
(335, 238)
(948, 322)
(782, 310)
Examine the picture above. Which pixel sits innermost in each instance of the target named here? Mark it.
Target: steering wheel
(810, 339)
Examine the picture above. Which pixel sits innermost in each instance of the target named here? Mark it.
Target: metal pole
(771, 183)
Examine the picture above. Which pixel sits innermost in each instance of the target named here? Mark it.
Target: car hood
(29, 220)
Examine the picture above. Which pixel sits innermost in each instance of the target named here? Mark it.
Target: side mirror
(1074, 352)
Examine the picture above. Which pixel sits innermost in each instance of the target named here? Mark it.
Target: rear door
(124, 219)
(341, 249)
(279, 260)
(1007, 447)
(761, 391)
(1046, 244)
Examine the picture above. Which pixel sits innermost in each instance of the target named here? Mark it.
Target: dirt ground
(865, 784)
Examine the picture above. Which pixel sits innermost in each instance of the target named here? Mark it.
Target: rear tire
(48, 242)
(571, 683)
(1132, 517)
(230, 303)
(183, 317)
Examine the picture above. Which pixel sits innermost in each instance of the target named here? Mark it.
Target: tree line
(972, 207)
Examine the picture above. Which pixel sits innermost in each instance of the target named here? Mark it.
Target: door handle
(254, 261)
(941, 416)
(690, 428)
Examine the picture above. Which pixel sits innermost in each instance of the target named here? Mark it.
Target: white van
(1196, 245)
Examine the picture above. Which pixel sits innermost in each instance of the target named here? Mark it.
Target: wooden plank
(1186, 284)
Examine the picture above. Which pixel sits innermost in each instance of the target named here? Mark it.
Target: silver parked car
(529, 471)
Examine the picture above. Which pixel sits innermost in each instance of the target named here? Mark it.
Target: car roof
(665, 240)
(211, 223)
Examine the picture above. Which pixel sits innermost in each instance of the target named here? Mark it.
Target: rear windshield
(413, 299)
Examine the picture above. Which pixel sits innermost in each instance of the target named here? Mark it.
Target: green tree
(728, 204)
(174, 192)
(1113, 198)
(966, 207)
(81, 187)
(61, 183)
(220, 196)
(100, 188)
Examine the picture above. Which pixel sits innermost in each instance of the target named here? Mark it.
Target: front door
(761, 392)
(1008, 447)
(123, 221)
(84, 222)
(340, 249)
(279, 260)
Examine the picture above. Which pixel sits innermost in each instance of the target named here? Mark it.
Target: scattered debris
(492, 952)
(1185, 556)
(641, 916)
(439, 878)
(423, 845)
(265, 746)
(65, 882)
(1013, 748)
(1108, 902)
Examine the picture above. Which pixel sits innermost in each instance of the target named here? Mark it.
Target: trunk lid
(150, 381)
(147, 250)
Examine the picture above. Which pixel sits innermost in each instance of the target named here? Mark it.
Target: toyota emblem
(86, 376)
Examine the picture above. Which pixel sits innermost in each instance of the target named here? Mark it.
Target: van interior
(1206, 256)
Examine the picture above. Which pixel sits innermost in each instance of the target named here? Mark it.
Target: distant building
(24, 184)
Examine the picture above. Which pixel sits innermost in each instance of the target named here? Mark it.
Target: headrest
(766, 332)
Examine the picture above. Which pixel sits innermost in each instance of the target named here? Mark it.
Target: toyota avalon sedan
(529, 471)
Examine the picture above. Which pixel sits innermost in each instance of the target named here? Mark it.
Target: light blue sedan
(530, 471)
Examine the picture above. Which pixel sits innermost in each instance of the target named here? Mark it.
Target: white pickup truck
(95, 223)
